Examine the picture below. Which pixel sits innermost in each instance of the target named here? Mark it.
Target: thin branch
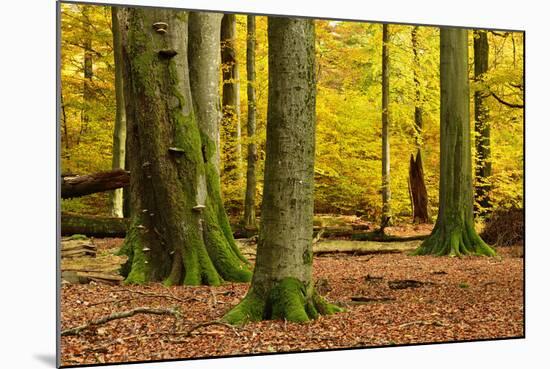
(508, 104)
(120, 315)
(499, 34)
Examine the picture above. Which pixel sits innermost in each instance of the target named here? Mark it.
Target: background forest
(369, 126)
(348, 153)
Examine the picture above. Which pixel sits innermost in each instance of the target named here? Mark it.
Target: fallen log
(81, 185)
(380, 237)
(93, 226)
(355, 233)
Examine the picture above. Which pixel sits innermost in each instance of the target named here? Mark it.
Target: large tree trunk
(119, 132)
(177, 234)
(454, 232)
(77, 186)
(231, 100)
(282, 286)
(204, 73)
(252, 156)
(482, 126)
(417, 186)
(386, 193)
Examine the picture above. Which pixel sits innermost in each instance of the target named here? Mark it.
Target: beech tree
(179, 231)
(454, 233)
(386, 192)
(231, 99)
(282, 284)
(88, 71)
(482, 127)
(252, 155)
(119, 132)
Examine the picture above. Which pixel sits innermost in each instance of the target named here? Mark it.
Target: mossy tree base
(456, 242)
(288, 299)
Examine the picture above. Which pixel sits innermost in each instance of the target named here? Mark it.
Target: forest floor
(404, 300)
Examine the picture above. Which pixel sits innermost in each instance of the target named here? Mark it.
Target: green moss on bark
(288, 299)
(457, 242)
(136, 267)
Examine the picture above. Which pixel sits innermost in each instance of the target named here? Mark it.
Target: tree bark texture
(231, 100)
(252, 154)
(454, 232)
(282, 285)
(119, 132)
(179, 233)
(386, 192)
(77, 186)
(204, 73)
(482, 126)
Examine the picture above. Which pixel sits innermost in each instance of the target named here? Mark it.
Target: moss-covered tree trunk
(231, 100)
(482, 127)
(417, 185)
(177, 233)
(454, 233)
(252, 155)
(119, 132)
(386, 192)
(282, 284)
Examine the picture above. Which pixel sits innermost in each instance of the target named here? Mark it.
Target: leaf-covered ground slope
(451, 300)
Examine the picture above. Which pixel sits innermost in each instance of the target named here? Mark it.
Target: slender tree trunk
(482, 126)
(417, 186)
(282, 285)
(119, 132)
(88, 75)
(126, 203)
(64, 122)
(418, 123)
(252, 157)
(386, 192)
(231, 108)
(176, 233)
(454, 233)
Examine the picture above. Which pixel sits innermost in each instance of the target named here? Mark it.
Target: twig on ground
(422, 322)
(171, 296)
(120, 315)
(214, 300)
